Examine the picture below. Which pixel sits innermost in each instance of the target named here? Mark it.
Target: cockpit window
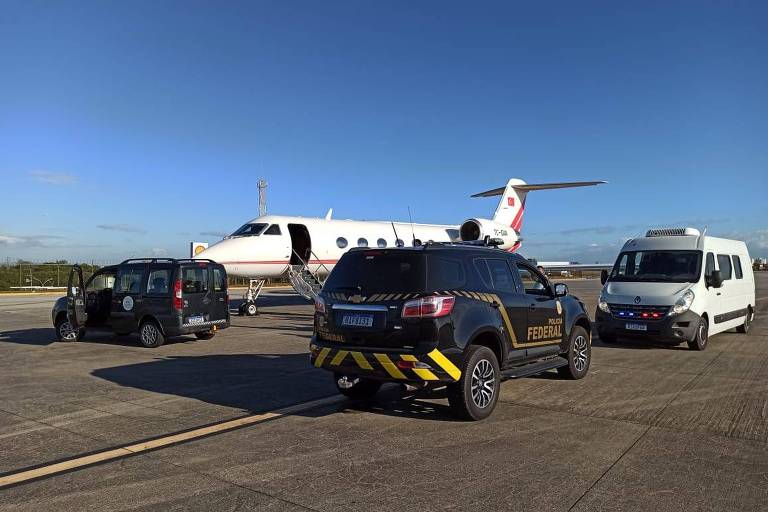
(249, 229)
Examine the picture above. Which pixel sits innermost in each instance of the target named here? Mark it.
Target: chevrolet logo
(357, 298)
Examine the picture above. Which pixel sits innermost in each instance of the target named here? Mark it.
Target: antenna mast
(262, 197)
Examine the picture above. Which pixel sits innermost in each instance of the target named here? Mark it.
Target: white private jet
(306, 249)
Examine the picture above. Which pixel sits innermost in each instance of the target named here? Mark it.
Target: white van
(677, 285)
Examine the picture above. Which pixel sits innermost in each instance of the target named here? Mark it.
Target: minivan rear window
(194, 279)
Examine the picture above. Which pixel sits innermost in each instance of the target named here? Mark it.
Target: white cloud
(52, 178)
(125, 228)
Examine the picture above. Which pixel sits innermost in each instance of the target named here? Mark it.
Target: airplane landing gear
(248, 307)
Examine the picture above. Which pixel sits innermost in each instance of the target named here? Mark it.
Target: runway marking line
(82, 461)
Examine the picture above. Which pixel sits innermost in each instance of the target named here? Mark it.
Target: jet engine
(477, 229)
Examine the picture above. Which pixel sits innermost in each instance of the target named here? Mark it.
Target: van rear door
(196, 293)
(220, 305)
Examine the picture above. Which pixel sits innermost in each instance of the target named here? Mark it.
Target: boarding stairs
(306, 283)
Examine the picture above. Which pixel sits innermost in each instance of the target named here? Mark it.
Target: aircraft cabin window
(249, 229)
(399, 243)
(362, 242)
(341, 242)
(274, 229)
(383, 243)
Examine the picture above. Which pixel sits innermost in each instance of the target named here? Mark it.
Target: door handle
(718, 293)
(495, 305)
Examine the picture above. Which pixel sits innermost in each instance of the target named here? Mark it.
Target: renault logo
(637, 300)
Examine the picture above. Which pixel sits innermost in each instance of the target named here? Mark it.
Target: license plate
(195, 319)
(357, 320)
(636, 327)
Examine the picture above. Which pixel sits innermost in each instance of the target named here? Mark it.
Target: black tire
(744, 328)
(150, 335)
(579, 355)
(205, 335)
(608, 338)
(64, 331)
(365, 389)
(701, 338)
(475, 395)
(251, 309)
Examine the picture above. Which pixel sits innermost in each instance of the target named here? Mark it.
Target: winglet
(328, 215)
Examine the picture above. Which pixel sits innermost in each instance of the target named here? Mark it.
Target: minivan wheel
(699, 342)
(363, 389)
(475, 395)
(65, 332)
(579, 355)
(205, 335)
(150, 335)
(744, 328)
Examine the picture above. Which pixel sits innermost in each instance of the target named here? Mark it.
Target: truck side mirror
(715, 279)
(603, 276)
(561, 290)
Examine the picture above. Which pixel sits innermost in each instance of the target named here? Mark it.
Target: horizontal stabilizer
(537, 186)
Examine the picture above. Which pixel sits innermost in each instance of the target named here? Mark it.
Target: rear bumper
(386, 365)
(675, 328)
(179, 330)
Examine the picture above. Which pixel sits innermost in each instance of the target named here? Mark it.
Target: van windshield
(657, 266)
(250, 229)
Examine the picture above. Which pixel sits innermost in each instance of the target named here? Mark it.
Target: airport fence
(30, 275)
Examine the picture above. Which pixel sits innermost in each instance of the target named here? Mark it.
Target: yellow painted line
(361, 361)
(389, 366)
(424, 373)
(339, 357)
(321, 356)
(133, 449)
(445, 364)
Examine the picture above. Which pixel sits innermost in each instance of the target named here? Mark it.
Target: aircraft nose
(213, 252)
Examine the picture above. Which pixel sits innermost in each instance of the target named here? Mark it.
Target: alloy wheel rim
(703, 333)
(67, 332)
(580, 355)
(149, 334)
(483, 383)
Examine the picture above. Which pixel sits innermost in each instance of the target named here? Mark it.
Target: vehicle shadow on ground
(632, 344)
(256, 383)
(47, 336)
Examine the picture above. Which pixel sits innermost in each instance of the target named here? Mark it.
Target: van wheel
(363, 389)
(65, 332)
(579, 355)
(475, 395)
(150, 334)
(699, 342)
(205, 335)
(744, 328)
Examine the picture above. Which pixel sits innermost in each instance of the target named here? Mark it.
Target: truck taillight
(319, 305)
(429, 307)
(177, 303)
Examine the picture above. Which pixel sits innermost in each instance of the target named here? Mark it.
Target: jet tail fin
(510, 210)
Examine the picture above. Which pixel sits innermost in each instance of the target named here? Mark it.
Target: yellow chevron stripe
(445, 364)
(421, 372)
(488, 297)
(361, 361)
(388, 365)
(374, 298)
(321, 357)
(339, 357)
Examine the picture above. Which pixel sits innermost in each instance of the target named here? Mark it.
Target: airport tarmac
(243, 422)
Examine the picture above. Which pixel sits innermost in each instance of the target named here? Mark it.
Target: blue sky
(130, 128)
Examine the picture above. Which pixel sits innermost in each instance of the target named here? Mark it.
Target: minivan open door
(76, 313)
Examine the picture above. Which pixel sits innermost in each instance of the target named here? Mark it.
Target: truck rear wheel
(363, 389)
(475, 395)
(150, 334)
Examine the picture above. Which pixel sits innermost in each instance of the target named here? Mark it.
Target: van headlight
(603, 305)
(683, 304)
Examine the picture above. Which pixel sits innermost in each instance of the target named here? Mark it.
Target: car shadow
(637, 344)
(47, 336)
(40, 336)
(256, 383)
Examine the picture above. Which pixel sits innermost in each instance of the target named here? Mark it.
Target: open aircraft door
(76, 313)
